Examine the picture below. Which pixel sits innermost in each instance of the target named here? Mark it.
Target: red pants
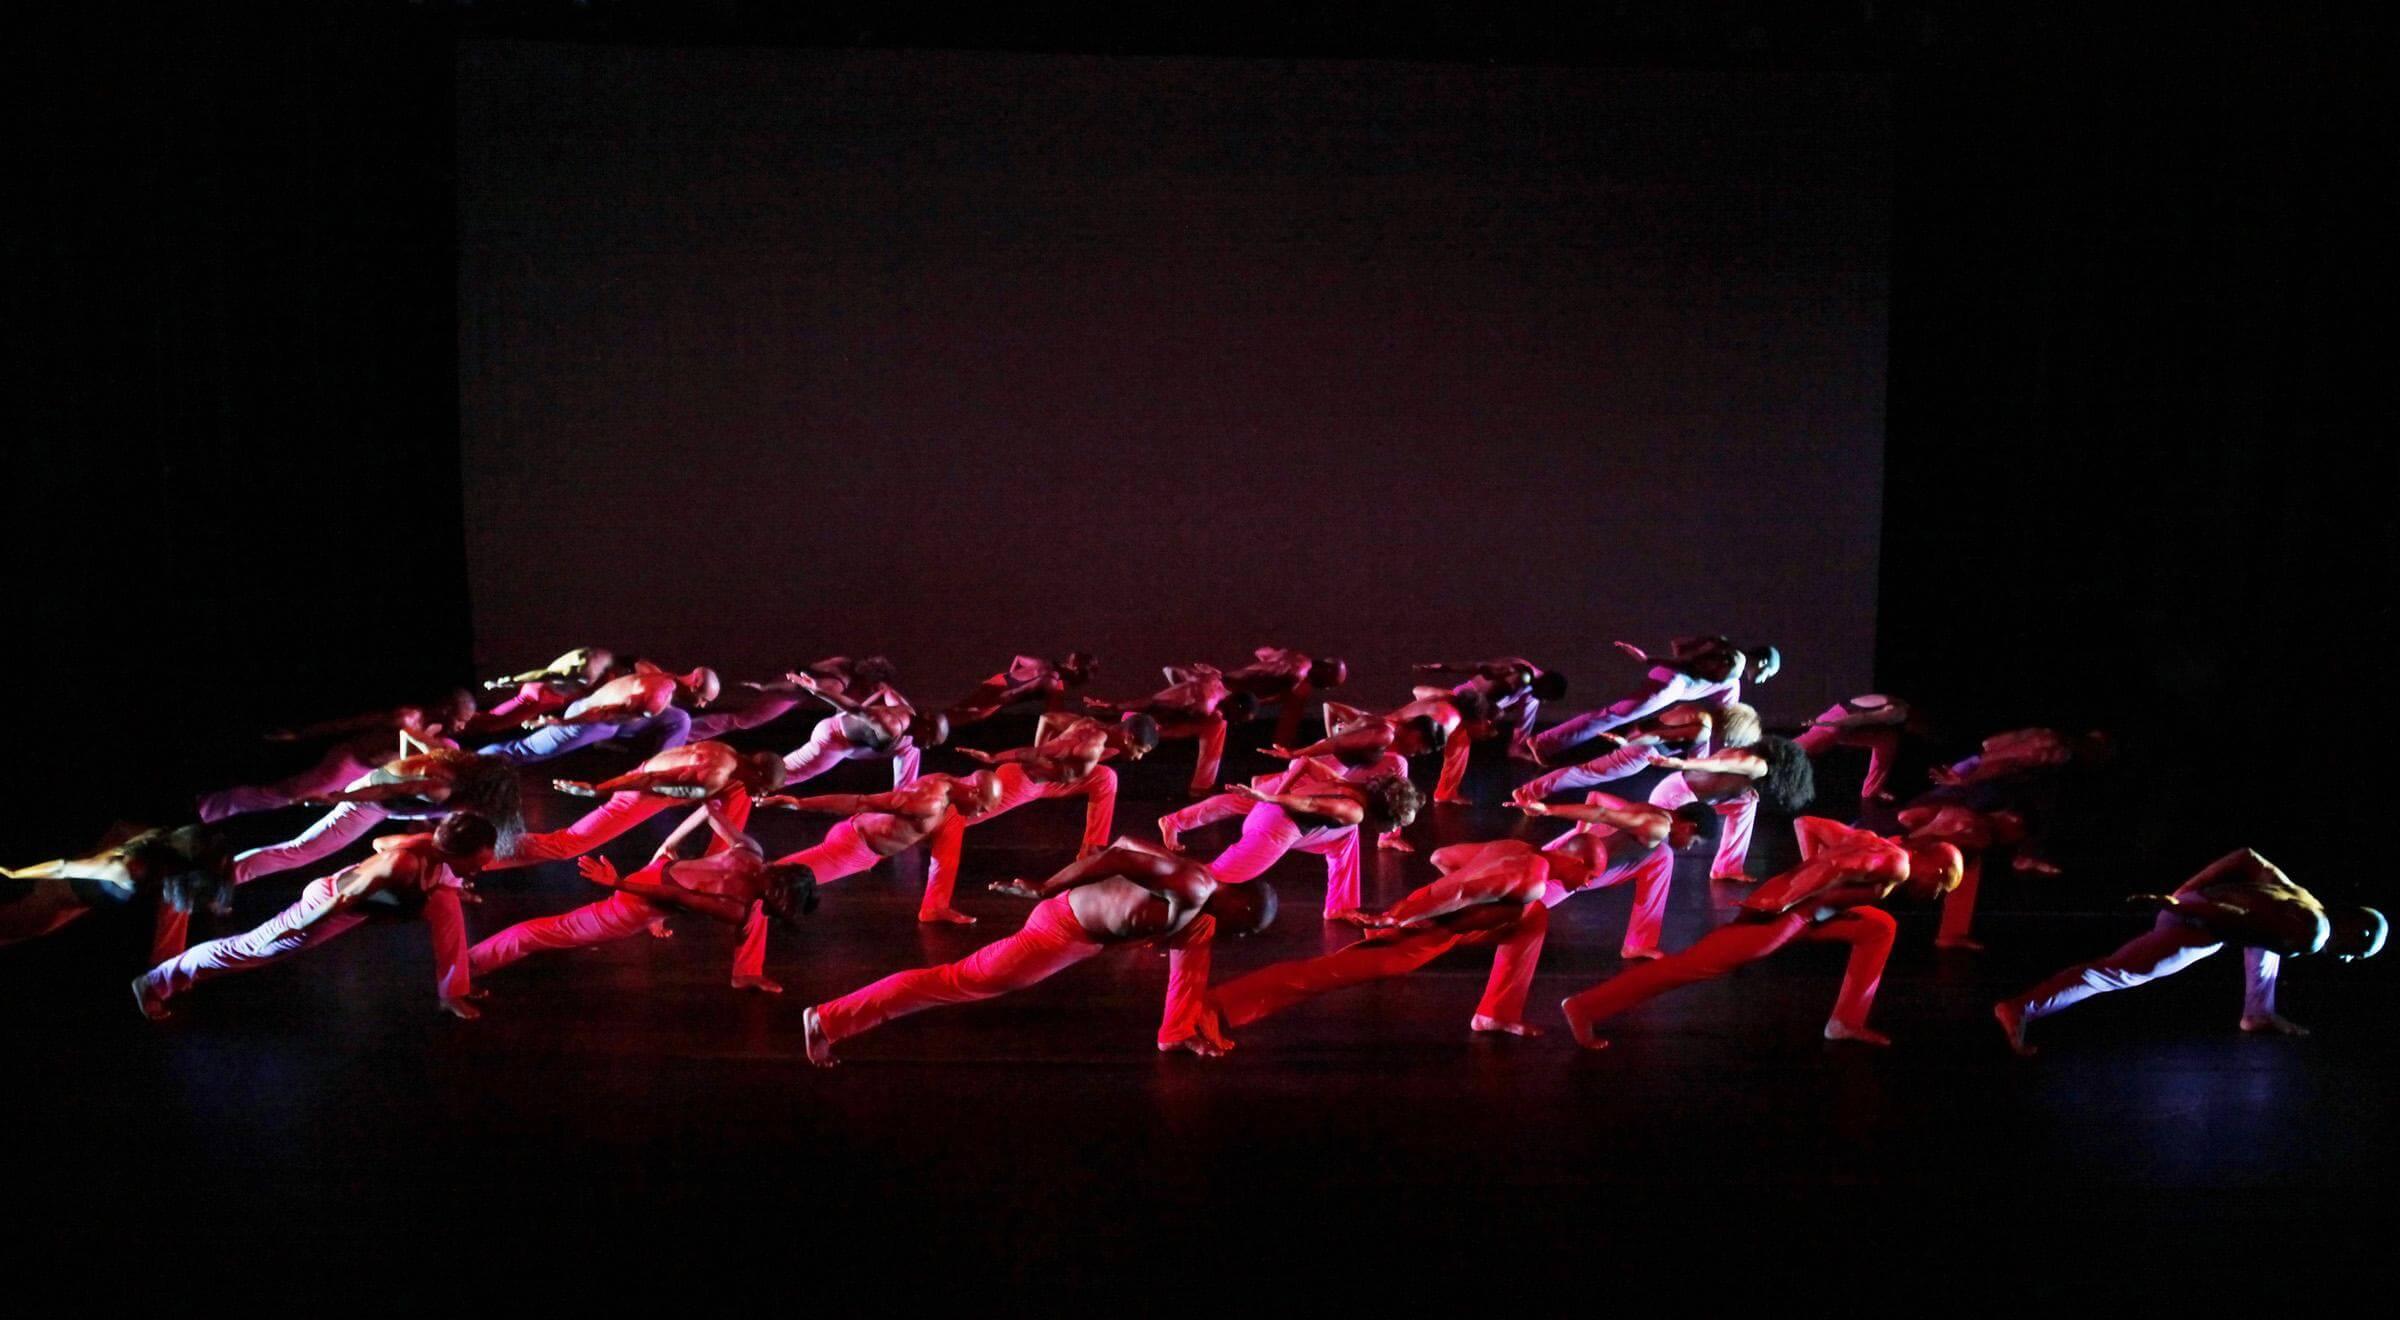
(1099, 789)
(1270, 990)
(621, 812)
(1881, 741)
(1958, 909)
(1653, 876)
(1052, 941)
(615, 917)
(1868, 931)
(1211, 735)
(1268, 833)
(842, 852)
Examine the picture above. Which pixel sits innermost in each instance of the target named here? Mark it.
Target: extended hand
(461, 1009)
(1016, 888)
(1280, 751)
(1631, 650)
(1532, 806)
(978, 757)
(598, 870)
(575, 788)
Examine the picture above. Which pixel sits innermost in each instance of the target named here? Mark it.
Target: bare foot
(2012, 1020)
(951, 916)
(1394, 842)
(1492, 1024)
(813, 1041)
(1453, 801)
(1961, 942)
(461, 1009)
(1580, 1025)
(1640, 955)
(2274, 1023)
(2035, 865)
(1836, 1031)
(1168, 841)
(1196, 1044)
(152, 1008)
(660, 930)
(1737, 878)
(757, 983)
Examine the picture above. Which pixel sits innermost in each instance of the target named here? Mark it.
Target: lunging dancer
(1027, 678)
(1615, 841)
(1707, 671)
(1064, 762)
(1196, 704)
(1292, 680)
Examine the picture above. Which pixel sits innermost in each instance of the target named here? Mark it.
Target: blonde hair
(1738, 726)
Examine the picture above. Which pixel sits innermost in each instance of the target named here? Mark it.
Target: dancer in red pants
(1974, 833)
(174, 870)
(1615, 841)
(711, 774)
(1064, 762)
(1490, 893)
(366, 741)
(416, 869)
(881, 825)
(2240, 899)
(748, 705)
(1291, 680)
(1027, 678)
(1513, 690)
(1128, 893)
(1828, 896)
(1873, 723)
(1196, 704)
(1314, 810)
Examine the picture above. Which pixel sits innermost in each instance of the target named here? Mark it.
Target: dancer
(545, 691)
(1974, 833)
(721, 780)
(881, 825)
(366, 741)
(2022, 770)
(1489, 893)
(1359, 748)
(1313, 809)
(1873, 722)
(1513, 690)
(420, 871)
(1128, 893)
(878, 726)
(1615, 841)
(2240, 899)
(179, 870)
(1291, 680)
(426, 786)
(1749, 767)
(1027, 678)
(1707, 671)
(733, 884)
(1195, 704)
(749, 705)
(641, 704)
(1064, 762)
(1828, 896)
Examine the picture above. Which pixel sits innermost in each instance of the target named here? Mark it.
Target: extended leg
(279, 937)
(1712, 955)
(1869, 933)
(335, 830)
(1270, 990)
(615, 917)
(1051, 941)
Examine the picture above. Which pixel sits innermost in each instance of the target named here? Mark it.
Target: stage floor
(621, 1124)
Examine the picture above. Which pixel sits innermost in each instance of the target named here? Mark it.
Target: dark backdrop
(770, 354)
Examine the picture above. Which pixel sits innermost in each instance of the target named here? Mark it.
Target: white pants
(828, 746)
(1735, 817)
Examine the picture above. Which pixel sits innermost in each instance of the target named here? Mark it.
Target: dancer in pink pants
(1872, 723)
(174, 870)
(421, 787)
(1489, 893)
(718, 778)
(1615, 841)
(1292, 680)
(1064, 762)
(366, 741)
(1748, 766)
(733, 883)
(1129, 893)
(643, 703)
(1973, 833)
(415, 869)
(2240, 899)
(880, 725)
(1195, 704)
(1357, 755)
(1707, 671)
(1513, 690)
(1357, 737)
(1828, 896)
(884, 825)
(749, 705)
(1315, 811)
(1027, 678)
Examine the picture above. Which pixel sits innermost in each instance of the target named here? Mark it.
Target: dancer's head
(1077, 669)
(1243, 909)
(466, 842)
(759, 772)
(975, 794)
(1239, 708)
(1934, 868)
(1761, 662)
(452, 712)
(1710, 659)
(1576, 858)
(788, 891)
(1429, 734)
(2357, 933)
(1137, 733)
(1690, 819)
(699, 687)
(873, 672)
(1392, 800)
(488, 787)
(1472, 705)
(1738, 726)
(1327, 672)
(1550, 685)
(1790, 783)
(928, 728)
(191, 868)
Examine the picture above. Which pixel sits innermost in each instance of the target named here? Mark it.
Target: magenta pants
(842, 852)
(1735, 819)
(1653, 877)
(1268, 833)
(337, 829)
(340, 767)
(615, 917)
(1098, 789)
(828, 746)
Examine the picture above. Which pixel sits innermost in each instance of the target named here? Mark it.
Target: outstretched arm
(1749, 765)
(1642, 821)
(835, 804)
(1471, 887)
(398, 788)
(1122, 860)
(1338, 807)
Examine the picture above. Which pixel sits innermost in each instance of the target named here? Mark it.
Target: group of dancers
(452, 770)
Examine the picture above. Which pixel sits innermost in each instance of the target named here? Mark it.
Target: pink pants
(1270, 990)
(1099, 789)
(1735, 818)
(828, 746)
(1868, 931)
(1268, 833)
(278, 938)
(1881, 742)
(1052, 941)
(1653, 876)
(616, 917)
(842, 852)
(1227, 806)
(337, 829)
(2166, 948)
(621, 812)
(340, 768)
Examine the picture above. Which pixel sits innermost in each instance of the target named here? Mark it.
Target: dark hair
(1472, 704)
(766, 770)
(192, 867)
(929, 728)
(1253, 903)
(1238, 707)
(1078, 666)
(1430, 729)
(874, 670)
(1550, 685)
(788, 890)
(1327, 672)
(1140, 730)
(487, 786)
(1397, 799)
(1789, 783)
(1695, 814)
(463, 834)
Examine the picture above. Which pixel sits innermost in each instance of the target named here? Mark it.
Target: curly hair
(487, 786)
(1789, 783)
(1238, 708)
(873, 671)
(1473, 706)
(788, 890)
(1394, 798)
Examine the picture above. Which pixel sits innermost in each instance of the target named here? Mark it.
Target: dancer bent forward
(1064, 762)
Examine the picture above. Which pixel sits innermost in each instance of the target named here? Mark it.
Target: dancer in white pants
(427, 786)
(1748, 767)
(1706, 670)
(881, 725)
